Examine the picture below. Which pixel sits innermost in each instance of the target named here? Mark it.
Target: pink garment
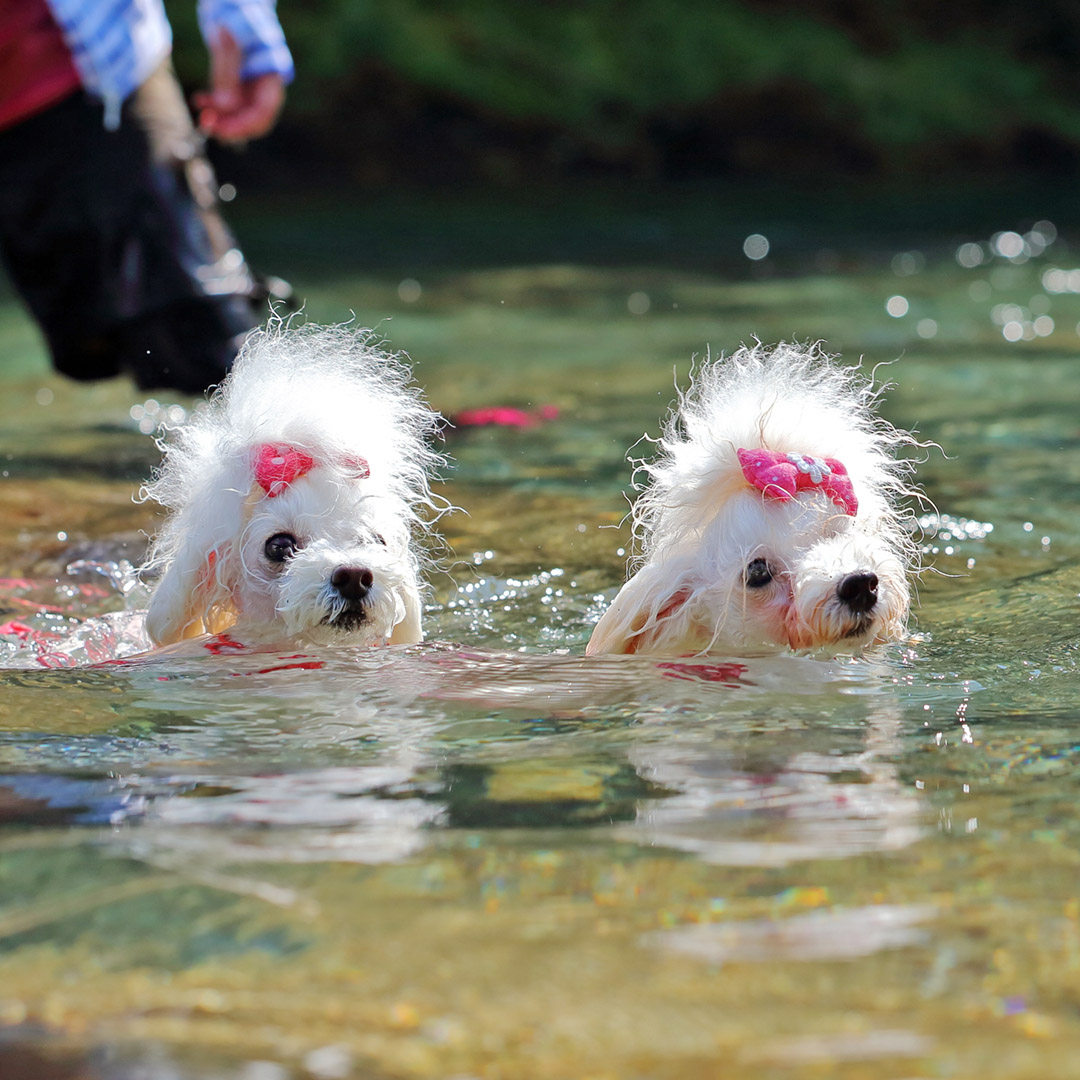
(36, 69)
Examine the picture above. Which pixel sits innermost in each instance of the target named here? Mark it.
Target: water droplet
(1009, 245)
(756, 247)
(906, 263)
(409, 290)
(969, 255)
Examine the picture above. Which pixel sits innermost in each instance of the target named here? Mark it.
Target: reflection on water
(833, 935)
(489, 856)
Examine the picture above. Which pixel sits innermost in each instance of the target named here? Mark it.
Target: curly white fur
(700, 525)
(330, 393)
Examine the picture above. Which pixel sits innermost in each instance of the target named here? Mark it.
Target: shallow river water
(487, 856)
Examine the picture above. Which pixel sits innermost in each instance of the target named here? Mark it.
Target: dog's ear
(409, 630)
(190, 598)
(631, 624)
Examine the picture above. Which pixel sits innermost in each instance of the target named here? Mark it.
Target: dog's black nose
(352, 582)
(858, 590)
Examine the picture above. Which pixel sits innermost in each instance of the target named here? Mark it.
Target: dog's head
(322, 556)
(307, 535)
(764, 573)
(769, 520)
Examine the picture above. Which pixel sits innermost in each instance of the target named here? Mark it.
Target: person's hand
(234, 109)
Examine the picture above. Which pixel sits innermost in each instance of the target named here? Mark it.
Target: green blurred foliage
(614, 75)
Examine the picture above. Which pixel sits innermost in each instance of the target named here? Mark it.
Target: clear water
(487, 856)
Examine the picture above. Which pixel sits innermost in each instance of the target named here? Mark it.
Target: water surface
(488, 856)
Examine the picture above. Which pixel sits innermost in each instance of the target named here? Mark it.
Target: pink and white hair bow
(783, 476)
(277, 465)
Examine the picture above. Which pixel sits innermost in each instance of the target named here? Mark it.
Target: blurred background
(417, 92)
(421, 138)
(501, 859)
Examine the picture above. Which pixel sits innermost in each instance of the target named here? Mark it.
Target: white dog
(294, 497)
(771, 516)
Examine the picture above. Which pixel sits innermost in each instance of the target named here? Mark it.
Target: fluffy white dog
(294, 497)
(771, 517)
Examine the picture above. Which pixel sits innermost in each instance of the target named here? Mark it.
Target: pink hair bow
(277, 465)
(782, 476)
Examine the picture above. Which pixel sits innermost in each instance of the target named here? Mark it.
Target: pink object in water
(728, 674)
(504, 416)
(783, 476)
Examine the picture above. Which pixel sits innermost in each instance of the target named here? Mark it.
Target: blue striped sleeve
(115, 43)
(254, 26)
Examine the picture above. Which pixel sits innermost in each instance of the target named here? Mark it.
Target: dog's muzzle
(858, 593)
(352, 584)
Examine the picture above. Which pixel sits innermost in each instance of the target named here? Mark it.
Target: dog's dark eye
(758, 574)
(380, 539)
(280, 546)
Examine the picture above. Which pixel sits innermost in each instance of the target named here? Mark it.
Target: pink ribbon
(360, 468)
(782, 476)
(277, 465)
